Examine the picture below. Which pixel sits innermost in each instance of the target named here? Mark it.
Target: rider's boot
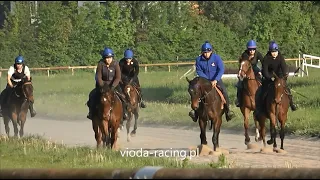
(142, 104)
(292, 105)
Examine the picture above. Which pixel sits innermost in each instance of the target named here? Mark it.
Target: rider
(108, 73)
(253, 56)
(272, 62)
(16, 72)
(130, 70)
(211, 67)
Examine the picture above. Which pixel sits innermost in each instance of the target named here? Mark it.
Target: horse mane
(205, 81)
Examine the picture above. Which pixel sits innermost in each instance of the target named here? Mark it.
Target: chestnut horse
(277, 105)
(209, 106)
(17, 106)
(132, 95)
(250, 85)
(106, 121)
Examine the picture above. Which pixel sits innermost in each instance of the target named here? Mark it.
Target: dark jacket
(131, 70)
(109, 74)
(254, 61)
(277, 65)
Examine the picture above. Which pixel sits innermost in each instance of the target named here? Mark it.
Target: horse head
(106, 101)
(27, 89)
(246, 70)
(198, 90)
(279, 87)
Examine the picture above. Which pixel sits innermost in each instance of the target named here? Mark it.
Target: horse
(132, 94)
(17, 106)
(277, 105)
(106, 119)
(208, 102)
(250, 85)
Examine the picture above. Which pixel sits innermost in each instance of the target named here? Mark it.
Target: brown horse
(17, 106)
(209, 105)
(106, 120)
(131, 93)
(250, 86)
(277, 105)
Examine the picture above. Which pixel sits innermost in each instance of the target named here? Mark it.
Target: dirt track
(301, 152)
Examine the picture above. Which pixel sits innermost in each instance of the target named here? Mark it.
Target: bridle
(245, 72)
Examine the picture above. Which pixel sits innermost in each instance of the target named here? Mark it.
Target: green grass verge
(63, 96)
(36, 152)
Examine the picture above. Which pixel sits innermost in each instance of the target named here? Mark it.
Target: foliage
(63, 34)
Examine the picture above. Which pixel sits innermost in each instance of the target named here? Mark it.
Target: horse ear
(188, 79)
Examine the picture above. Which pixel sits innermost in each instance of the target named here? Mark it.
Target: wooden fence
(150, 172)
(73, 68)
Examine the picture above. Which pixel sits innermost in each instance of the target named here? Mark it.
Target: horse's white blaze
(128, 91)
(104, 99)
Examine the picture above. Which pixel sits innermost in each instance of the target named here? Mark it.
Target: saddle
(219, 90)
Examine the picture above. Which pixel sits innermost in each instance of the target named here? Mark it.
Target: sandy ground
(300, 152)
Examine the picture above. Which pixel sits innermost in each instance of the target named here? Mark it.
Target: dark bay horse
(106, 121)
(250, 85)
(277, 105)
(17, 106)
(132, 95)
(209, 105)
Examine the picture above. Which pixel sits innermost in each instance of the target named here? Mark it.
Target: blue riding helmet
(206, 47)
(19, 60)
(273, 46)
(251, 44)
(128, 54)
(107, 52)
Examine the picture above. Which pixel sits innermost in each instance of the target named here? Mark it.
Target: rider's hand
(214, 83)
(11, 85)
(260, 74)
(272, 79)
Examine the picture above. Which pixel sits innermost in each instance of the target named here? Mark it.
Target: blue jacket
(211, 69)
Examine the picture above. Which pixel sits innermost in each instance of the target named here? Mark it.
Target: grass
(63, 96)
(36, 152)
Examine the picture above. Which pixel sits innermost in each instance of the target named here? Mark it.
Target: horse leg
(128, 124)
(105, 132)
(258, 129)
(97, 132)
(22, 119)
(282, 132)
(114, 137)
(216, 132)
(6, 121)
(136, 116)
(203, 124)
(262, 124)
(246, 112)
(15, 123)
(273, 132)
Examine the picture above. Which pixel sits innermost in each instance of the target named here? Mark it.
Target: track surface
(301, 152)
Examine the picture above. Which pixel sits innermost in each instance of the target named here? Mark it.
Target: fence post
(72, 71)
(145, 69)
(48, 72)
(169, 67)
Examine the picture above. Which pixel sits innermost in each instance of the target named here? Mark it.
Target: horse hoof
(132, 134)
(270, 142)
(246, 142)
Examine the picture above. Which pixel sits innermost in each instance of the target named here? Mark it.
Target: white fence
(308, 61)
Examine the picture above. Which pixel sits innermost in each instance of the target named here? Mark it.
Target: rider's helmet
(107, 52)
(251, 44)
(128, 54)
(19, 60)
(206, 47)
(273, 46)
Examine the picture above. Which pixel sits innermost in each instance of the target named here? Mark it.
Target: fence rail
(151, 172)
(72, 68)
